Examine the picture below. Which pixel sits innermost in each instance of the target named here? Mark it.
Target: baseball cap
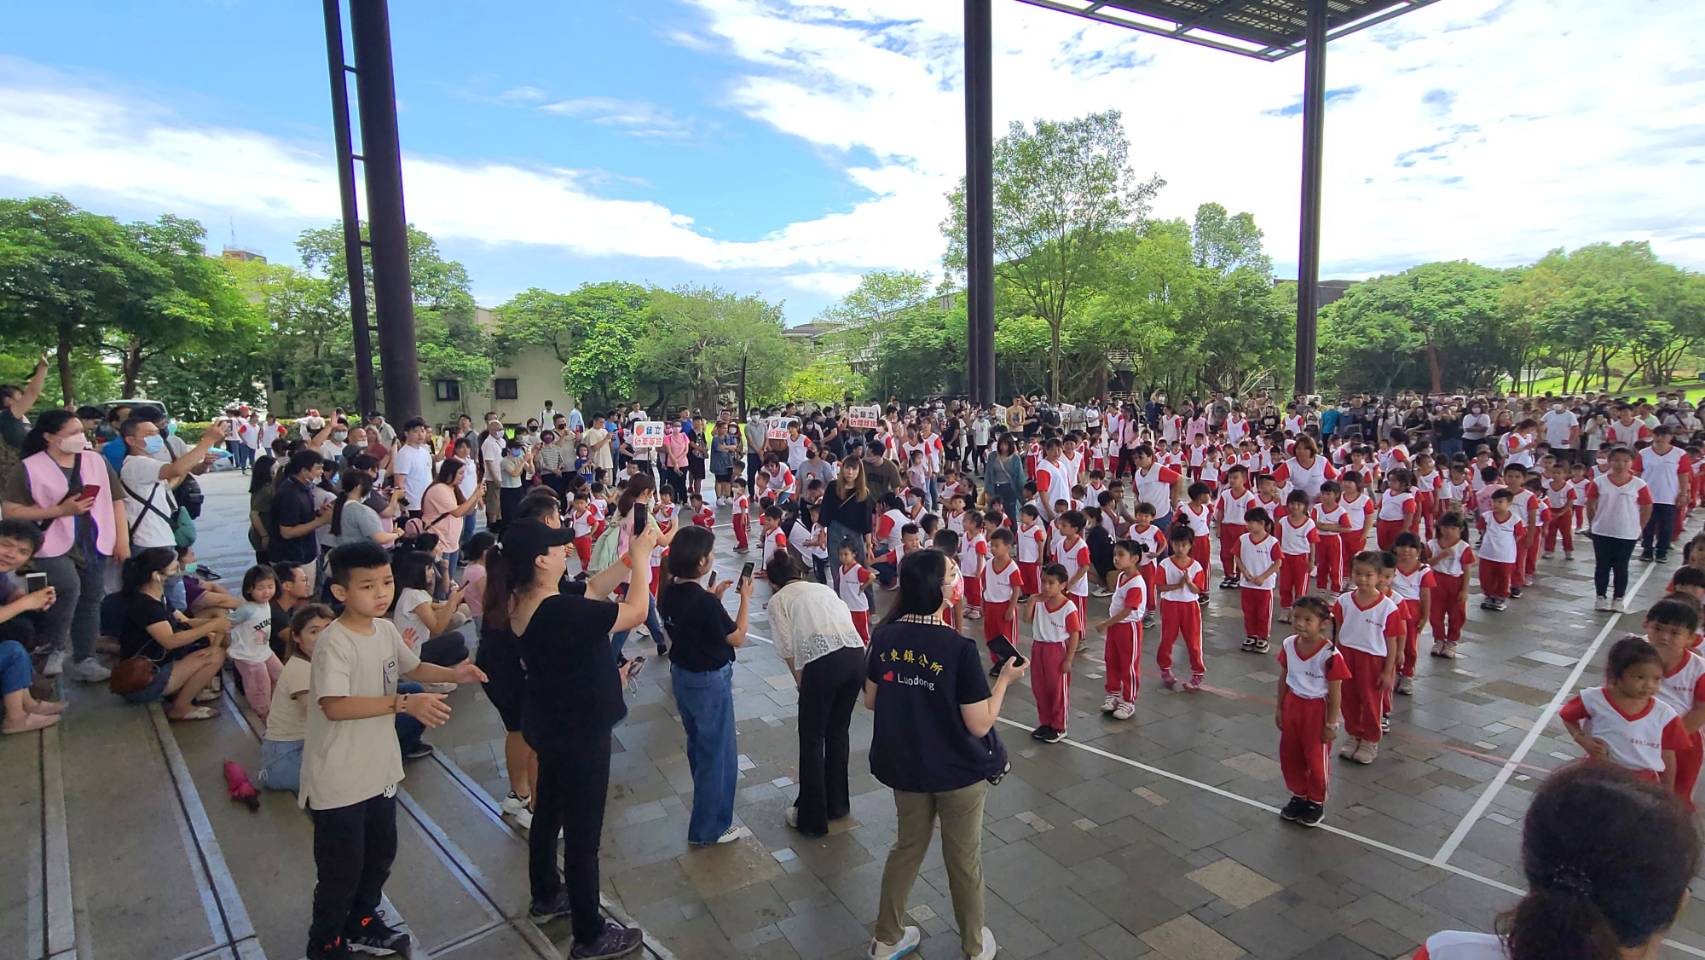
(530, 537)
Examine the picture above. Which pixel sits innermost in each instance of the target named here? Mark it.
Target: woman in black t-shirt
(934, 712)
(702, 641)
(573, 699)
(182, 667)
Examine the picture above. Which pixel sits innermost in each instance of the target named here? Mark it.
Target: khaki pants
(961, 813)
(493, 499)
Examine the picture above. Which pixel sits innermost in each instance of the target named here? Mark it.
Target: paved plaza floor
(1157, 836)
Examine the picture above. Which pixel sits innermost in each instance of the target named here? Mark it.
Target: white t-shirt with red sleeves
(1030, 540)
(1635, 740)
(1684, 687)
(999, 586)
(1155, 487)
(1453, 562)
(1559, 499)
(1230, 507)
(1408, 585)
(1256, 557)
(1500, 539)
(1367, 629)
(1175, 576)
(1617, 513)
(853, 581)
(1428, 482)
(774, 542)
(1620, 434)
(1199, 519)
(1074, 557)
(1297, 539)
(1311, 677)
(971, 554)
(1662, 471)
(888, 528)
(1397, 506)
(1152, 540)
(1357, 512)
(1056, 624)
(1320, 515)
(1130, 599)
(1052, 483)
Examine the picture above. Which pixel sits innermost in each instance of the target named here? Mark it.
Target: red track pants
(1449, 607)
(1124, 655)
(1329, 563)
(1302, 754)
(1048, 684)
(1180, 618)
(1230, 533)
(1257, 611)
(1293, 578)
(1363, 702)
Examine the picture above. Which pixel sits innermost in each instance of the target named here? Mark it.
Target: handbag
(130, 675)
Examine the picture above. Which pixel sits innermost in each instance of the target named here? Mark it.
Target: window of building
(446, 391)
(506, 388)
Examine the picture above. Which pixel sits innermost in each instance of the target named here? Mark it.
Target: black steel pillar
(1313, 147)
(979, 204)
(387, 225)
(366, 393)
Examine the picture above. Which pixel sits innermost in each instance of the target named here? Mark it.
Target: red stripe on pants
(1293, 578)
(1302, 754)
(1257, 611)
(1123, 655)
(998, 620)
(1362, 699)
(1687, 764)
(740, 523)
(1048, 684)
(1449, 606)
(1495, 576)
(861, 623)
(1180, 618)
(1229, 534)
(1561, 523)
(1329, 563)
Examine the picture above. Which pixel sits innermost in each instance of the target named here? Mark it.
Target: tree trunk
(131, 365)
(67, 386)
(1054, 358)
(1435, 368)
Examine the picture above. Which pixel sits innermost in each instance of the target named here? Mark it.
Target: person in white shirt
(411, 464)
(1668, 473)
(492, 446)
(1562, 427)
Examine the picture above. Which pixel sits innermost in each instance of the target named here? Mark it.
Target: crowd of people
(377, 588)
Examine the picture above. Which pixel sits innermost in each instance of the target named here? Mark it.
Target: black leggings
(1610, 558)
(570, 795)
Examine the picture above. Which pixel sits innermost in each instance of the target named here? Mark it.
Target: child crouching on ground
(287, 719)
(1311, 679)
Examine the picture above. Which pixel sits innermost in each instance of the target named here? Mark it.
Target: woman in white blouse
(814, 633)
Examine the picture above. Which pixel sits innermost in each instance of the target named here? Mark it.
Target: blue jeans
(281, 764)
(653, 622)
(408, 728)
(14, 667)
(706, 702)
(177, 598)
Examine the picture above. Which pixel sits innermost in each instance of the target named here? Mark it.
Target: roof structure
(1261, 29)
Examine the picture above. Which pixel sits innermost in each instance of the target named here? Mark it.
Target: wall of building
(537, 375)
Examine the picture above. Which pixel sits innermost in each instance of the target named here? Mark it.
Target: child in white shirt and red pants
(1369, 623)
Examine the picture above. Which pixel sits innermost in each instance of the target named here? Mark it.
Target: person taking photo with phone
(148, 485)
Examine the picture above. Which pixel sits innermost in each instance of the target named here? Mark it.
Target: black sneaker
(1054, 736)
(553, 909)
(1385, 724)
(1663, 558)
(420, 751)
(1515, 592)
(372, 935)
(1311, 814)
(1248, 644)
(1042, 733)
(1646, 558)
(615, 941)
(336, 950)
(1293, 809)
(1260, 646)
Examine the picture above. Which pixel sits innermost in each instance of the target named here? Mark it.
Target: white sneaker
(1624, 605)
(1110, 704)
(730, 835)
(1125, 710)
(792, 817)
(513, 805)
(55, 664)
(523, 818)
(1603, 605)
(909, 940)
(989, 946)
(88, 670)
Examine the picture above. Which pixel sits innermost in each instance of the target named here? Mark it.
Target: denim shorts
(154, 690)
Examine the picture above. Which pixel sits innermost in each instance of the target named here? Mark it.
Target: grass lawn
(1693, 391)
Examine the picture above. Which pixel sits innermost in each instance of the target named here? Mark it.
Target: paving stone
(1186, 938)
(1233, 882)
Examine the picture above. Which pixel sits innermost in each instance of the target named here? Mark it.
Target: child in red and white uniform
(741, 515)
(702, 514)
(586, 526)
(1199, 514)
(973, 553)
(1525, 503)
(1002, 585)
(1454, 491)
(1672, 625)
(1258, 571)
(1502, 531)
(1311, 678)
(774, 540)
(1413, 586)
(1298, 541)
(1233, 502)
(1560, 498)
(1123, 653)
(1330, 520)
(1153, 541)
(1369, 624)
(1624, 722)
(1398, 509)
(1450, 558)
(1427, 480)
(1056, 628)
(1031, 536)
(854, 578)
(1073, 555)
(1181, 584)
(1579, 481)
(1358, 517)
(1625, 430)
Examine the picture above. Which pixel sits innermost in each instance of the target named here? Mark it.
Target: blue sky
(783, 147)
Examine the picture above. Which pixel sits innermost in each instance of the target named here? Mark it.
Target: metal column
(979, 204)
(366, 393)
(1313, 146)
(387, 230)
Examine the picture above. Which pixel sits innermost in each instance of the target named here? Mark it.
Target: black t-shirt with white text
(923, 674)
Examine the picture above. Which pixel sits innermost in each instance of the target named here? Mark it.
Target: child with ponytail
(1311, 680)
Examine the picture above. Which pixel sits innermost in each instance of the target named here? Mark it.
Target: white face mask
(76, 443)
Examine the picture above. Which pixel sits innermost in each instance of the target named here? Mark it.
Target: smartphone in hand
(746, 571)
(1003, 650)
(89, 492)
(638, 517)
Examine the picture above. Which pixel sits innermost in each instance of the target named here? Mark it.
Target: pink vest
(48, 486)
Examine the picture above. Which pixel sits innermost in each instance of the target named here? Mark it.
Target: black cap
(531, 537)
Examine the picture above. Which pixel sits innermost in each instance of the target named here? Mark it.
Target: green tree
(825, 380)
(700, 342)
(1061, 189)
(1433, 319)
(308, 344)
(579, 328)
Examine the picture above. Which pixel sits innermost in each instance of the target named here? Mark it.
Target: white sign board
(647, 434)
(777, 429)
(863, 418)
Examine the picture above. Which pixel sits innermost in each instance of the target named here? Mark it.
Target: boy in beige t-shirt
(351, 763)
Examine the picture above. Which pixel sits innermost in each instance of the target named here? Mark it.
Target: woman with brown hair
(847, 511)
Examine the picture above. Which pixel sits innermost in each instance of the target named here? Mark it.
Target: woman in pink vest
(70, 487)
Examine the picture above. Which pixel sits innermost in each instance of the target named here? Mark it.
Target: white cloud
(636, 117)
(830, 283)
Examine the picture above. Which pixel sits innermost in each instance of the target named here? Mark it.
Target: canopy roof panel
(1262, 29)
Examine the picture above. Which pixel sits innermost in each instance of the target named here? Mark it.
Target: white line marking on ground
(1534, 732)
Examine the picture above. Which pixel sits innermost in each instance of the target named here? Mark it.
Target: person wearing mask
(295, 519)
(69, 490)
(1003, 474)
(148, 488)
(572, 700)
(673, 458)
(933, 745)
(814, 633)
(411, 463)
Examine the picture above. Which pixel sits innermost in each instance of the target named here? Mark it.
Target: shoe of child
(1547, 555)
(1248, 644)
(1406, 685)
(1195, 683)
(1312, 813)
(1167, 680)
(1293, 809)
(1054, 736)
(1260, 646)
(615, 941)
(1438, 649)
(372, 935)
(1385, 723)
(1110, 704)
(1515, 592)
(1568, 556)
(1603, 605)
(1366, 751)
(1348, 750)
(1449, 650)
(1041, 733)
(1125, 710)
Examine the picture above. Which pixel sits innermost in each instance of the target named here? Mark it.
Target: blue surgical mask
(154, 444)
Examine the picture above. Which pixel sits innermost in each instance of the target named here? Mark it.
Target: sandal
(199, 713)
(206, 696)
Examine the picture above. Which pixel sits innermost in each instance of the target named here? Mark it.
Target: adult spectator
(554, 459)
(881, 476)
(15, 404)
(149, 504)
(1476, 425)
(1003, 475)
(599, 446)
(848, 511)
(1608, 860)
(69, 489)
(513, 471)
(933, 745)
(813, 467)
(703, 640)
(814, 633)
(1668, 473)
(573, 699)
(112, 446)
(411, 463)
(724, 455)
(444, 505)
(295, 519)
(182, 666)
(1562, 428)
(1619, 506)
(260, 505)
(353, 519)
(295, 591)
(673, 461)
